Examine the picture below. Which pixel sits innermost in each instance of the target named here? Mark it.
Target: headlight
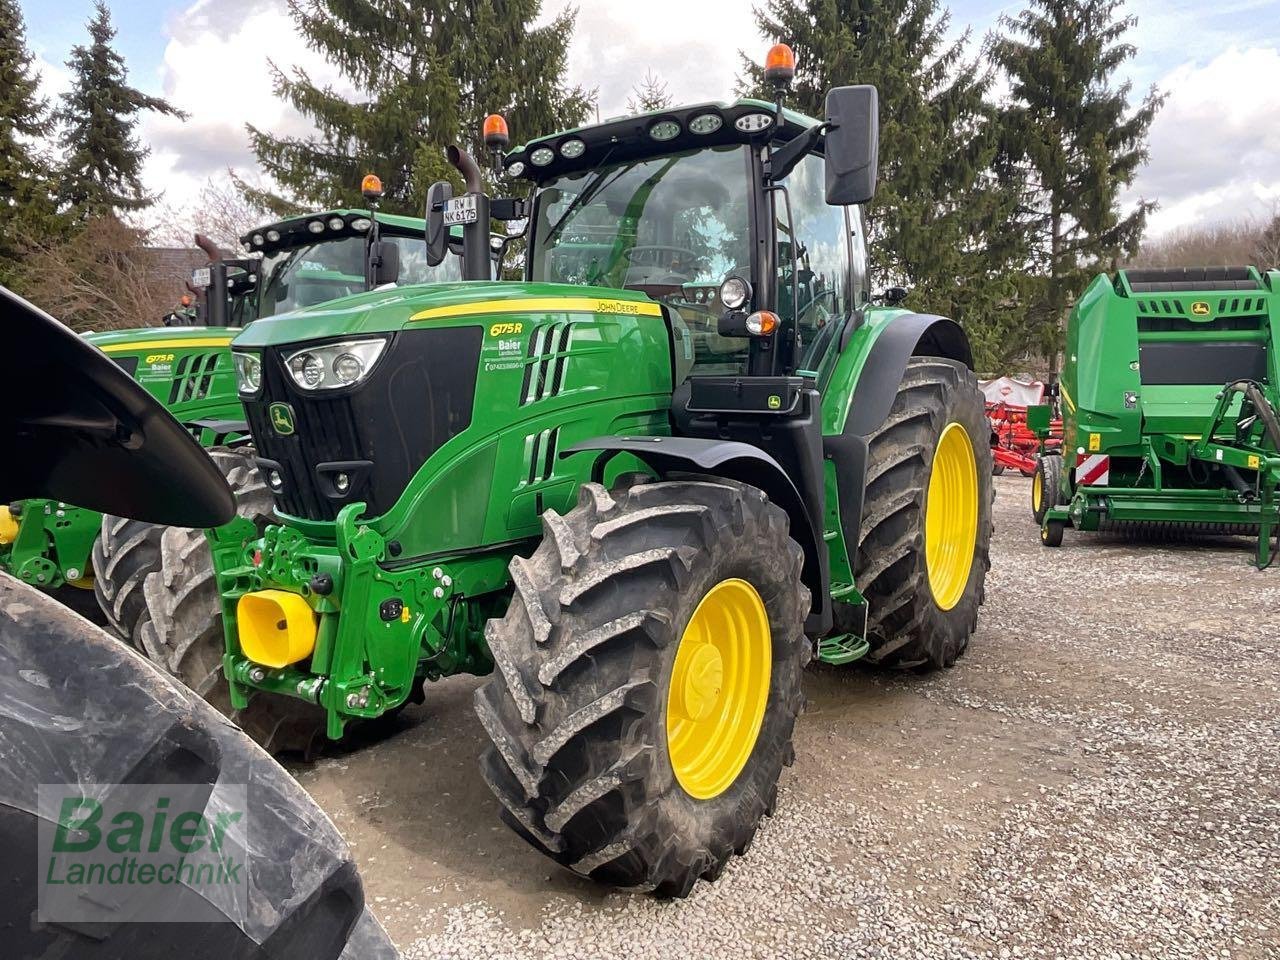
(735, 292)
(248, 372)
(332, 365)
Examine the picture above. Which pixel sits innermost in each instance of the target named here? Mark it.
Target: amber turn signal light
(762, 323)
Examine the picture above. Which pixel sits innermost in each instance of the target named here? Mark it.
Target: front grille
(193, 375)
(419, 395)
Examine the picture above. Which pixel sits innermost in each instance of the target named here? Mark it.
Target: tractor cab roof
(653, 134)
(325, 225)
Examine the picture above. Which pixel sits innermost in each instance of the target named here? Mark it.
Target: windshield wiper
(591, 189)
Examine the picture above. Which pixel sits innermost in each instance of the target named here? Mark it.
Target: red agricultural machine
(1013, 444)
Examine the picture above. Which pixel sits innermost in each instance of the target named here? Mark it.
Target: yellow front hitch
(8, 527)
(276, 628)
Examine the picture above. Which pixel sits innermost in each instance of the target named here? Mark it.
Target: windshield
(328, 269)
(672, 227)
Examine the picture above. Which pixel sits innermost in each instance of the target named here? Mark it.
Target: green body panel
(474, 503)
(1167, 441)
(846, 367)
(187, 369)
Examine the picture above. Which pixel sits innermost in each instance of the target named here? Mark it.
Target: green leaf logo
(281, 418)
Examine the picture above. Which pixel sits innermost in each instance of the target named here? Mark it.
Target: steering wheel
(677, 253)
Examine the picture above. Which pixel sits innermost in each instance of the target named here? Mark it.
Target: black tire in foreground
(183, 633)
(124, 554)
(602, 677)
(924, 582)
(1046, 485)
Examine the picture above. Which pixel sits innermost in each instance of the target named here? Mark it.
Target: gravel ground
(1098, 777)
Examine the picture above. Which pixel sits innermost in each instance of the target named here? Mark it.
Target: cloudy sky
(1215, 148)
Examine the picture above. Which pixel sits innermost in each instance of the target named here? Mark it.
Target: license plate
(200, 277)
(460, 210)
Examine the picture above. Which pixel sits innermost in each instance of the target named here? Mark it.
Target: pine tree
(1073, 131)
(648, 95)
(426, 74)
(26, 206)
(940, 218)
(102, 168)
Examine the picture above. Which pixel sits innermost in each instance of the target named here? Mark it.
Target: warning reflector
(1093, 470)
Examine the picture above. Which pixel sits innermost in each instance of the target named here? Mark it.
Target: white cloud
(1215, 146)
(216, 67)
(692, 47)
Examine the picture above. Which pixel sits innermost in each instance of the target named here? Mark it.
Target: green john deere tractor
(641, 487)
(305, 261)
(1169, 396)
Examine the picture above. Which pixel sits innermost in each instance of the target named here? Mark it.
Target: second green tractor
(640, 488)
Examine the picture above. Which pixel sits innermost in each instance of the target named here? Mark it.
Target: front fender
(733, 461)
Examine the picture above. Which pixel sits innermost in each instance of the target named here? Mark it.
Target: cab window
(813, 261)
(673, 227)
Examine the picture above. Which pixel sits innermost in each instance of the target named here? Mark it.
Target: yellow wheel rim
(719, 689)
(1037, 490)
(951, 516)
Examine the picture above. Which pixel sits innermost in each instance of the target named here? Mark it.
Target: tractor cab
(311, 259)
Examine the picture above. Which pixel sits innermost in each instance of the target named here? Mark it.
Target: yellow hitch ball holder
(276, 627)
(8, 527)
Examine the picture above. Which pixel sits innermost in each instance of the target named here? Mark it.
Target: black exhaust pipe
(476, 263)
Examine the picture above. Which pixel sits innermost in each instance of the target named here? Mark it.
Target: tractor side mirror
(852, 144)
(385, 262)
(439, 194)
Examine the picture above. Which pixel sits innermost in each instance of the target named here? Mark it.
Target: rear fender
(862, 390)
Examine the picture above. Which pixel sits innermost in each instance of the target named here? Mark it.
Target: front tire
(924, 551)
(184, 632)
(124, 555)
(1045, 489)
(647, 681)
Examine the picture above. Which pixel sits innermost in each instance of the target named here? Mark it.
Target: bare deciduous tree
(99, 278)
(223, 212)
(1250, 240)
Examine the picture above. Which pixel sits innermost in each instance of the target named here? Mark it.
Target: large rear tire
(647, 681)
(184, 631)
(124, 554)
(926, 520)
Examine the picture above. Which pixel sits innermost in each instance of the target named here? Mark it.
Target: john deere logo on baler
(1200, 309)
(281, 418)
